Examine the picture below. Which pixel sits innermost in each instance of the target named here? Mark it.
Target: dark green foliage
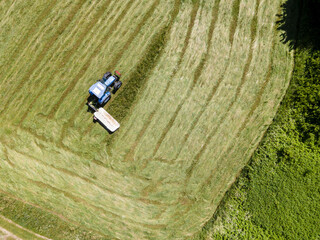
(277, 195)
(42, 222)
(306, 101)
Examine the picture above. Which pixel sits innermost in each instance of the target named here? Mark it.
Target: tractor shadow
(299, 24)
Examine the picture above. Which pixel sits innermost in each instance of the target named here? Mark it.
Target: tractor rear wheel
(107, 75)
(116, 86)
(105, 101)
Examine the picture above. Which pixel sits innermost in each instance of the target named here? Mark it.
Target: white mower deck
(106, 120)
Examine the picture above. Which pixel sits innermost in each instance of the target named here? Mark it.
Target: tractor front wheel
(105, 101)
(117, 85)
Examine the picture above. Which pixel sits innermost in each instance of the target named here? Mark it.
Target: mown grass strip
(253, 30)
(234, 21)
(85, 67)
(30, 33)
(85, 30)
(126, 98)
(196, 77)
(186, 43)
(26, 77)
(256, 102)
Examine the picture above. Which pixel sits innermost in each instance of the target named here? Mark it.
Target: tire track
(89, 181)
(99, 209)
(253, 29)
(113, 63)
(30, 33)
(43, 53)
(234, 21)
(195, 9)
(196, 77)
(78, 154)
(88, 62)
(60, 216)
(84, 33)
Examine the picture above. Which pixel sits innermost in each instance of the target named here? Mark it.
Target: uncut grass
(54, 57)
(45, 31)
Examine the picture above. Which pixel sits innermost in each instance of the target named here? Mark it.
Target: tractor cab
(100, 91)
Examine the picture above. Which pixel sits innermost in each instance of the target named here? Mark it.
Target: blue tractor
(100, 92)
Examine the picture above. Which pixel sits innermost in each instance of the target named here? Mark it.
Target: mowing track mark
(253, 29)
(60, 216)
(88, 62)
(130, 153)
(195, 78)
(89, 181)
(42, 54)
(29, 33)
(80, 200)
(234, 21)
(85, 31)
(78, 154)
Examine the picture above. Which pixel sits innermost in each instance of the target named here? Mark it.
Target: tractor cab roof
(110, 81)
(98, 89)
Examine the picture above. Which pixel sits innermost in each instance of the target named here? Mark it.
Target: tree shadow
(299, 24)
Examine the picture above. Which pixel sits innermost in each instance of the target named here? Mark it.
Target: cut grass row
(145, 185)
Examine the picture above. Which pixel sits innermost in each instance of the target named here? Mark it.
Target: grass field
(202, 82)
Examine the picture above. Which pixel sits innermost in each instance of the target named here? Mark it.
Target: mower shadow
(97, 121)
